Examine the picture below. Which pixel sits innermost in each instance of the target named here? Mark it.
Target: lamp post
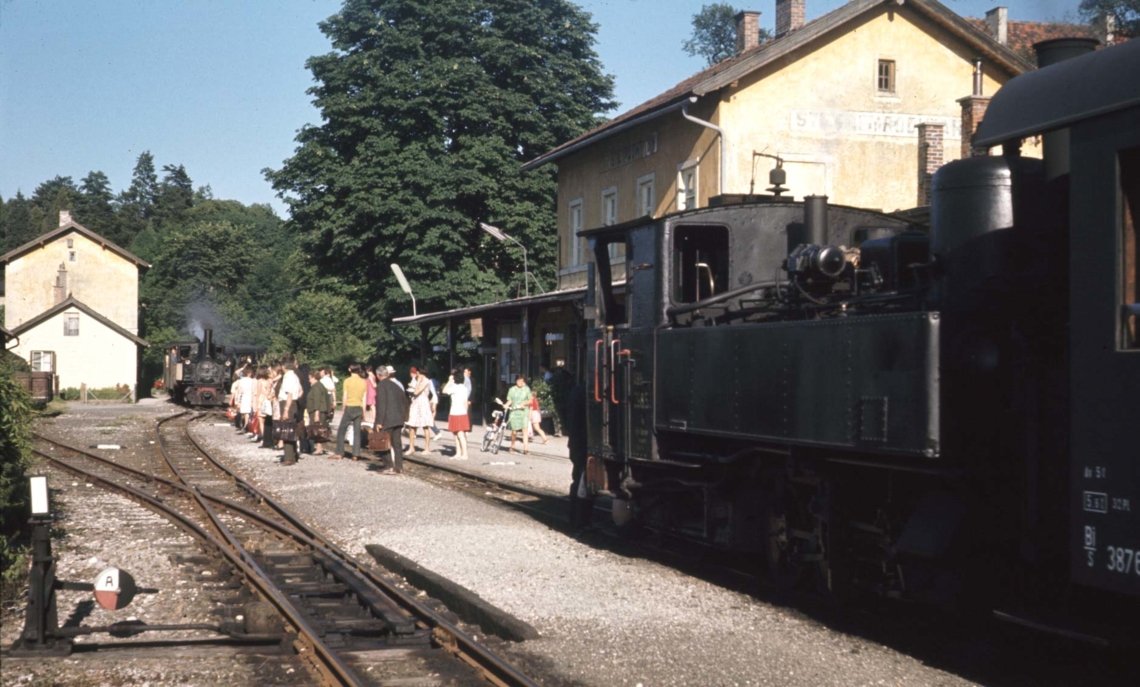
(407, 288)
(498, 234)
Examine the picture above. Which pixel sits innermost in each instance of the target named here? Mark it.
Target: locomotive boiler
(939, 411)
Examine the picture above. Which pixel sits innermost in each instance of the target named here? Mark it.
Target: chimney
(64, 217)
(997, 24)
(929, 158)
(747, 30)
(973, 109)
(789, 16)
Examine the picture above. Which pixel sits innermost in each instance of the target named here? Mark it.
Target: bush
(15, 429)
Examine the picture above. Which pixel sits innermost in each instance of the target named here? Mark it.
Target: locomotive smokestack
(815, 220)
(206, 345)
(1056, 144)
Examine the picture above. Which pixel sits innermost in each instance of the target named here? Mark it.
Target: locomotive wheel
(791, 561)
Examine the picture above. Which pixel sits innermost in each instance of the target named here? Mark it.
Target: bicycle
(493, 438)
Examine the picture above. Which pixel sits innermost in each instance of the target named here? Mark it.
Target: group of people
(301, 404)
(283, 395)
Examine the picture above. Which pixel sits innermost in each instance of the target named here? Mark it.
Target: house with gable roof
(861, 105)
(72, 304)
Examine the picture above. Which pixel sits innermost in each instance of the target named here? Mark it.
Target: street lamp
(407, 288)
(498, 234)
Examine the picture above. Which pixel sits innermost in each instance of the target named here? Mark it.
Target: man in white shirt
(287, 397)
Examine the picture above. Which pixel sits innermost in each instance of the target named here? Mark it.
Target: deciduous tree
(1125, 13)
(714, 33)
(428, 110)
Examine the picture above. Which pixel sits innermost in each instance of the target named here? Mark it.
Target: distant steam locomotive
(198, 373)
(867, 405)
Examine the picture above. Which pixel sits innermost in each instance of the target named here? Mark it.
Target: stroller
(493, 438)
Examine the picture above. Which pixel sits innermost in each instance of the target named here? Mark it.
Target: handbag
(284, 431)
(320, 432)
(254, 424)
(379, 440)
(231, 413)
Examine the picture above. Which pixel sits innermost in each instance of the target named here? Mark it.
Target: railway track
(349, 624)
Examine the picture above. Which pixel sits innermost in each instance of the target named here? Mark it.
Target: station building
(72, 306)
(861, 105)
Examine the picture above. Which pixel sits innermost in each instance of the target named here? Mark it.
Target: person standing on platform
(581, 502)
(518, 404)
(421, 416)
(289, 397)
(352, 400)
(391, 414)
(317, 407)
(458, 421)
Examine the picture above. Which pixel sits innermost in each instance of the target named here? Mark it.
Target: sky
(219, 86)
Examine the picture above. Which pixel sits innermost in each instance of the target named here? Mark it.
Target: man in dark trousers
(391, 414)
(580, 507)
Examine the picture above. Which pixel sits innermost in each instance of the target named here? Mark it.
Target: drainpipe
(720, 133)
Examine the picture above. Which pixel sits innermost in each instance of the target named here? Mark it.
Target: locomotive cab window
(1130, 248)
(700, 262)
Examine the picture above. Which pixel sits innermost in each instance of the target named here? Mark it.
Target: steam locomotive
(198, 373)
(942, 411)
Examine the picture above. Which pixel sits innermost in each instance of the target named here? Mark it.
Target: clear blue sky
(219, 85)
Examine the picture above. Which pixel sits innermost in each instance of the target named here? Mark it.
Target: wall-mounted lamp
(404, 285)
(501, 237)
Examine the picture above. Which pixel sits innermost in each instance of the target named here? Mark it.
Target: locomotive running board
(1049, 627)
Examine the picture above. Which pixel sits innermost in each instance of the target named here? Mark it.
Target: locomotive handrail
(597, 371)
(613, 371)
(726, 295)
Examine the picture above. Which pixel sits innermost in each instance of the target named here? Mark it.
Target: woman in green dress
(518, 402)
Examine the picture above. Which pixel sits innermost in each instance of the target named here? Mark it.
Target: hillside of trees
(217, 263)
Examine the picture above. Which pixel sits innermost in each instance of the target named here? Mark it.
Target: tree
(18, 226)
(94, 208)
(714, 33)
(136, 204)
(428, 110)
(1126, 13)
(50, 197)
(175, 195)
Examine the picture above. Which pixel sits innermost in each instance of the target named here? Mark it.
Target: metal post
(42, 620)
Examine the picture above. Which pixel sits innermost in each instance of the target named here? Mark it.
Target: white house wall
(98, 357)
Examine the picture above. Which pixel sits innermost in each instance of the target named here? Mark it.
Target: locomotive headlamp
(817, 261)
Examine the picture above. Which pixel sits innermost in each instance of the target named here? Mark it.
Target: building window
(609, 206)
(71, 256)
(1130, 248)
(42, 361)
(71, 325)
(886, 76)
(71, 243)
(687, 186)
(646, 196)
(576, 248)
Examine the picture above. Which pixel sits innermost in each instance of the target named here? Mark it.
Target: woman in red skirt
(458, 421)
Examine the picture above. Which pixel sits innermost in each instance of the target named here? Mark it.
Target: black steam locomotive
(946, 413)
(198, 373)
